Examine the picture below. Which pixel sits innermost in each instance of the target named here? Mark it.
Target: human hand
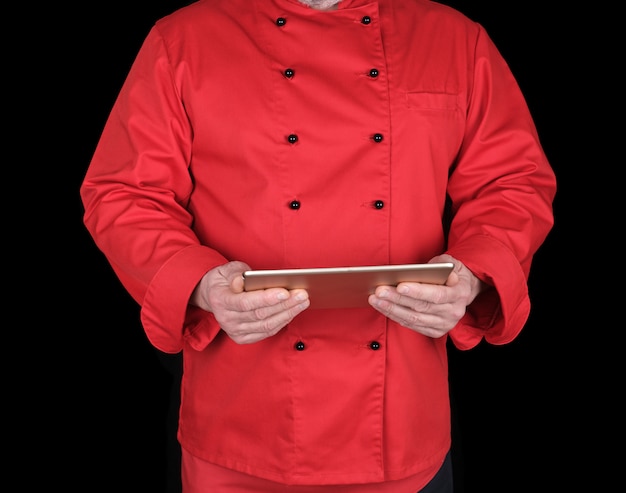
(432, 310)
(246, 317)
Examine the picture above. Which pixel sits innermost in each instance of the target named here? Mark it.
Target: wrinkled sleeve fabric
(501, 190)
(135, 194)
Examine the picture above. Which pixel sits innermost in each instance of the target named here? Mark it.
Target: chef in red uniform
(255, 134)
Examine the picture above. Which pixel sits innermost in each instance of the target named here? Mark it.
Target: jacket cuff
(166, 315)
(488, 316)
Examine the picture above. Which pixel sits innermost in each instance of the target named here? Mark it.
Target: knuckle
(268, 328)
(259, 313)
(413, 319)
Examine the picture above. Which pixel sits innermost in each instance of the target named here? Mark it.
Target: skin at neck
(321, 4)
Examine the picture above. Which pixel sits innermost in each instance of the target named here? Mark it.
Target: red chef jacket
(269, 132)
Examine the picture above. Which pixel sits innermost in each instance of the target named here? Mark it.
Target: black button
(299, 346)
(366, 19)
(289, 73)
(294, 204)
(281, 21)
(293, 138)
(374, 72)
(377, 137)
(379, 204)
(375, 345)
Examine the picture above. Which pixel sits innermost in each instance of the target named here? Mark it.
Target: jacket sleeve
(501, 191)
(135, 194)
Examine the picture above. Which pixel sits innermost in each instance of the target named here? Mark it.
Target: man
(285, 133)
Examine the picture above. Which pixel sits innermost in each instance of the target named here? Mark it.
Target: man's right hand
(246, 317)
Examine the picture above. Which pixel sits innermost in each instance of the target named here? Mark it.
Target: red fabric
(194, 168)
(199, 476)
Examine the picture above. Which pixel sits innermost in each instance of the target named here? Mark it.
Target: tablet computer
(345, 287)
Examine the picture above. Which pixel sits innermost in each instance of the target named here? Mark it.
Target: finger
(417, 296)
(249, 312)
(276, 303)
(267, 326)
(404, 314)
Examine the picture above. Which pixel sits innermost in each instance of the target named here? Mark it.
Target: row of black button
(374, 346)
(295, 204)
(293, 138)
(281, 21)
(289, 73)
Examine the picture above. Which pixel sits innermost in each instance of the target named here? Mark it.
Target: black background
(526, 414)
